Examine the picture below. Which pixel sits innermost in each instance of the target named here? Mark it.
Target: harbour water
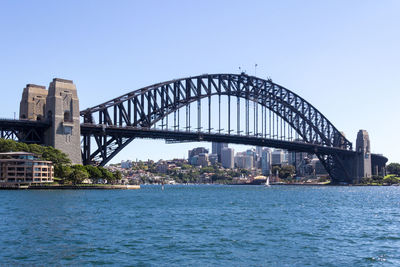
(205, 225)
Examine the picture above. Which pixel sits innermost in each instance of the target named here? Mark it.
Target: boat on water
(267, 183)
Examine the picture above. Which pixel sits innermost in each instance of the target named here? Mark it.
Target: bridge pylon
(62, 110)
(58, 106)
(363, 162)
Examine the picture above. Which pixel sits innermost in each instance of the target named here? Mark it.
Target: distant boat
(267, 183)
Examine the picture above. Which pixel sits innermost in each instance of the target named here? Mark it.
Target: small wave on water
(202, 225)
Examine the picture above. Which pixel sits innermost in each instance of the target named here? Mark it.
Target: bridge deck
(135, 132)
(23, 124)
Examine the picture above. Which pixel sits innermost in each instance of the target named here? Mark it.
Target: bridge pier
(62, 110)
(352, 168)
(60, 106)
(363, 158)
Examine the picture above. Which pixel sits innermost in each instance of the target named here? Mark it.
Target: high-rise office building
(277, 157)
(193, 154)
(227, 158)
(266, 161)
(196, 151)
(244, 161)
(216, 149)
(259, 150)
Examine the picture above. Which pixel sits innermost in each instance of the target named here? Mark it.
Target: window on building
(67, 116)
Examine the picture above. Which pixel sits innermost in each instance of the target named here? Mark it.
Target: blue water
(202, 226)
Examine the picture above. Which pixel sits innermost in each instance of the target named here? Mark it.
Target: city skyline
(346, 66)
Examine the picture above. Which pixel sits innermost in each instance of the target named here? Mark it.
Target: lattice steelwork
(23, 130)
(277, 114)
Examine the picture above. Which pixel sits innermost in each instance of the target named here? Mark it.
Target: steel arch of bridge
(143, 108)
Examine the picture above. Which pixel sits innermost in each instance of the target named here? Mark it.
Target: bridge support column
(62, 110)
(363, 163)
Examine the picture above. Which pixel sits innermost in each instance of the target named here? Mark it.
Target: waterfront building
(217, 148)
(24, 167)
(227, 157)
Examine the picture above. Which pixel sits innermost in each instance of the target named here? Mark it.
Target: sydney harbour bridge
(228, 108)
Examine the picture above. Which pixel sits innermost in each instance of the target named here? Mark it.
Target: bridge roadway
(11, 125)
(8, 124)
(136, 132)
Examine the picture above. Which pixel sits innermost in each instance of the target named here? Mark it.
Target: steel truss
(25, 131)
(280, 107)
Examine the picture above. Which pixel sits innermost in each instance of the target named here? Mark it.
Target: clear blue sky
(341, 56)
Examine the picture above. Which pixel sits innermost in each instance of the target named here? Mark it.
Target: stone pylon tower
(33, 103)
(62, 110)
(363, 149)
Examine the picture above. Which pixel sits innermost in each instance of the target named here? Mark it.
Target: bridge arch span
(145, 107)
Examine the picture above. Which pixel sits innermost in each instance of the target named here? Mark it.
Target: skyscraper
(259, 150)
(193, 154)
(216, 149)
(227, 158)
(266, 161)
(244, 161)
(278, 157)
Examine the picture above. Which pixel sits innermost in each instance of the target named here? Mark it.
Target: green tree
(22, 147)
(118, 175)
(394, 168)
(245, 172)
(207, 169)
(78, 175)
(390, 179)
(106, 174)
(55, 155)
(276, 170)
(186, 166)
(377, 179)
(94, 173)
(62, 171)
(287, 171)
(8, 145)
(37, 149)
(366, 180)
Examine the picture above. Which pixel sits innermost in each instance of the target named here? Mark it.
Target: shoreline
(67, 187)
